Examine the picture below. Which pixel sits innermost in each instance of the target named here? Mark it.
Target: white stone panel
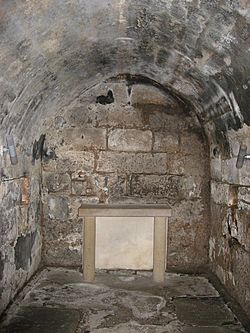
(124, 242)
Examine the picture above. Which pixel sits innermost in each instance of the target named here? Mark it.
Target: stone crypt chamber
(124, 166)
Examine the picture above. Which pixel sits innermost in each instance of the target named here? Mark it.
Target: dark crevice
(109, 99)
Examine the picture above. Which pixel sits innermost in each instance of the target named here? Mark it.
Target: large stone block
(166, 142)
(125, 117)
(132, 162)
(71, 161)
(157, 186)
(84, 138)
(130, 140)
(56, 182)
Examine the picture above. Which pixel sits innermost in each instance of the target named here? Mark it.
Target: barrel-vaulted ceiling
(53, 50)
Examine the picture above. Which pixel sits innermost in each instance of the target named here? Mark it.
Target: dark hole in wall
(23, 250)
(216, 152)
(105, 99)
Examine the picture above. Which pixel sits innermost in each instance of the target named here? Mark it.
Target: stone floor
(57, 301)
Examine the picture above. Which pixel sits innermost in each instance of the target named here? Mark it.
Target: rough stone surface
(163, 141)
(40, 320)
(181, 59)
(56, 182)
(84, 138)
(203, 312)
(20, 226)
(132, 163)
(130, 140)
(208, 330)
(71, 161)
(230, 235)
(141, 163)
(119, 301)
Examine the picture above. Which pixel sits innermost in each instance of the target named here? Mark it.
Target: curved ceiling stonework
(51, 51)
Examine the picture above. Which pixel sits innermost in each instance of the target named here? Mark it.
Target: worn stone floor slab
(119, 302)
(181, 285)
(41, 320)
(203, 311)
(208, 330)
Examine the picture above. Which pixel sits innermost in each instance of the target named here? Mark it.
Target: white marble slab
(124, 242)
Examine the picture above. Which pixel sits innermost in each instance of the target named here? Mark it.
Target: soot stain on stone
(132, 79)
(38, 148)
(23, 250)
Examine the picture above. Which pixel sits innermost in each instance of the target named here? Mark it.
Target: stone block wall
(20, 224)
(140, 147)
(229, 244)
